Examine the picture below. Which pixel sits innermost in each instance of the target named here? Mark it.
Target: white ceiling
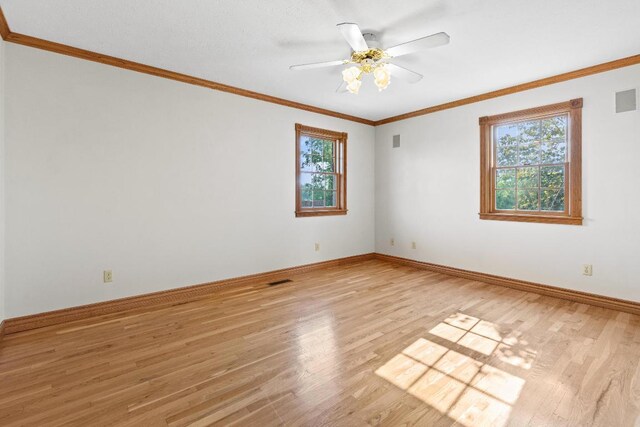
(251, 43)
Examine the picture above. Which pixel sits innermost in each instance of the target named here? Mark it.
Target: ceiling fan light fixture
(351, 74)
(382, 77)
(354, 86)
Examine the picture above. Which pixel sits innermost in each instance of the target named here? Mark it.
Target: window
(321, 172)
(530, 163)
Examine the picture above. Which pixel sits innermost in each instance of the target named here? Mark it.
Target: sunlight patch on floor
(485, 337)
(467, 390)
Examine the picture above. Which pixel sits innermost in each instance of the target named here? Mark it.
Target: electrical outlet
(317, 247)
(392, 241)
(107, 276)
(587, 270)
(413, 245)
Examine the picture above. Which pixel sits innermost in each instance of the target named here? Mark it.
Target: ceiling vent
(396, 141)
(626, 101)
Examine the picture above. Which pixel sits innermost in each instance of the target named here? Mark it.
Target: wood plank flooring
(372, 343)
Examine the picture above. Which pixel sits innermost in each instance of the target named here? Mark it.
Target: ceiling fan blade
(352, 34)
(342, 88)
(403, 73)
(427, 42)
(317, 65)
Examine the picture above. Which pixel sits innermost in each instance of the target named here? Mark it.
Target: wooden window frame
(573, 167)
(340, 139)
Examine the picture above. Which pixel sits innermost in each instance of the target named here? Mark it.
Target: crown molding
(88, 55)
(583, 72)
(50, 46)
(4, 26)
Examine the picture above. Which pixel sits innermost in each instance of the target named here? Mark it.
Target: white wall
(428, 191)
(170, 185)
(164, 183)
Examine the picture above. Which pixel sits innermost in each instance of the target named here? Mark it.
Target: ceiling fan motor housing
(369, 59)
(372, 40)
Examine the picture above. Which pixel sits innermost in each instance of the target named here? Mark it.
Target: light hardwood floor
(371, 343)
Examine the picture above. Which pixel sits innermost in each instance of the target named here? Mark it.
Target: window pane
(552, 176)
(554, 151)
(318, 190)
(529, 153)
(505, 199)
(552, 199)
(326, 165)
(305, 179)
(328, 148)
(529, 131)
(318, 181)
(306, 189)
(330, 182)
(507, 154)
(306, 192)
(305, 145)
(506, 144)
(528, 200)
(529, 143)
(528, 177)
(505, 178)
(316, 155)
(313, 185)
(507, 132)
(307, 195)
(554, 128)
(330, 198)
(318, 198)
(310, 153)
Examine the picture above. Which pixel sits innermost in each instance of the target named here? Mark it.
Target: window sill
(546, 219)
(321, 212)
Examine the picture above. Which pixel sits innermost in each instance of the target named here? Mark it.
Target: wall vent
(396, 141)
(626, 101)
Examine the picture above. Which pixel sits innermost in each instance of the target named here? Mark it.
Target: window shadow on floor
(455, 375)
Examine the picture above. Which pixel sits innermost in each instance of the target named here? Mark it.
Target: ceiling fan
(368, 57)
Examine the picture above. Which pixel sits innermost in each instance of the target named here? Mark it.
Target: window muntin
(320, 172)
